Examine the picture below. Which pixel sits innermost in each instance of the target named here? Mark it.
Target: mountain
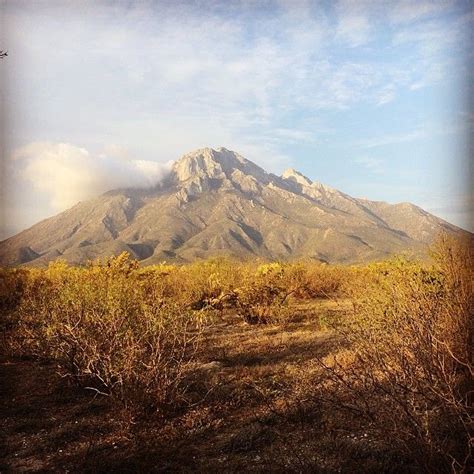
(215, 202)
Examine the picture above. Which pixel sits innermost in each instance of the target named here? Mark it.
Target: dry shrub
(265, 291)
(318, 280)
(12, 285)
(211, 283)
(200, 285)
(409, 370)
(12, 282)
(257, 292)
(263, 295)
(108, 331)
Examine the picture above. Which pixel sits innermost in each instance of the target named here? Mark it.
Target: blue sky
(369, 97)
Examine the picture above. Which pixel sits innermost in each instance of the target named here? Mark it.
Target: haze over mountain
(215, 202)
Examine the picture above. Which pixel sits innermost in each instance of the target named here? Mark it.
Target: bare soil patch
(49, 424)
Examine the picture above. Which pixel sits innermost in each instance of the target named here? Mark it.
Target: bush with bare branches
(407, 372)
(106, 332)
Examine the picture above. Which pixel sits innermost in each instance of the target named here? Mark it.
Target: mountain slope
(215, 202)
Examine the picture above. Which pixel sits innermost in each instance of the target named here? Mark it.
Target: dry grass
(407, 366)
(282, 367)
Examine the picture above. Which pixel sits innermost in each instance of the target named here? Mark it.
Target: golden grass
(293, 361)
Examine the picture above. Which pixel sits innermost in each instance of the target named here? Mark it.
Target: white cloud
(354, 30)
(434, 36)
(459, 126)
(374, 165)
(393, 139)
(163, 78)
(290, 135)
(197, 65)
(386, 95)
(67, 174)
(355, 25)
(406, 11)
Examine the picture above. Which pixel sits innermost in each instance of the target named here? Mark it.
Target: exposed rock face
(215, 202)
(292, 175)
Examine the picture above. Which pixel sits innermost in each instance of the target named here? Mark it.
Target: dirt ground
(249, 412)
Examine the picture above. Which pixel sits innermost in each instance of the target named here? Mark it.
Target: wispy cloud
(432, 36)
(456, 126)
(268, 79)
(392, 139)
(374, 165)
(181, 62)
(386, 95)
(354, 26)
(354, 30)
(406, 11)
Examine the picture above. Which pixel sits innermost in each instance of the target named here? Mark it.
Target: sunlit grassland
(310, 366)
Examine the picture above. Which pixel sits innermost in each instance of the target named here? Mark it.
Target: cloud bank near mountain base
(66, 173)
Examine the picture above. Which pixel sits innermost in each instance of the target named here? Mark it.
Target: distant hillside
(215, 202)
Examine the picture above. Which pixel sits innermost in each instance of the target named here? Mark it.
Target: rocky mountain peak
(208, 163)
(297, 177)
(198, 163)
(215, 202)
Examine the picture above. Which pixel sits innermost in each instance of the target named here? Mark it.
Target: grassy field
(220, 366)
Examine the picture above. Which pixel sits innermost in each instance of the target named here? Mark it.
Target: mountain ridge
(216, 202)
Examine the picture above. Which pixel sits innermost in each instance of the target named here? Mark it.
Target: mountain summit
(216, 202)
(293, 175)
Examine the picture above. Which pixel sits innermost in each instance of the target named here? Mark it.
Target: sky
(368, 96)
